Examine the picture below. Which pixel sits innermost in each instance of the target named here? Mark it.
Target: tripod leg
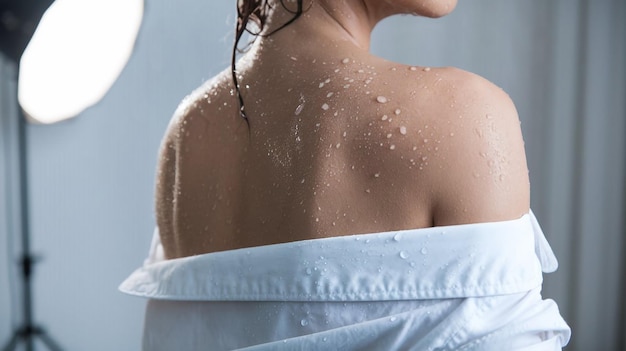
(51, 344)
(10, 346)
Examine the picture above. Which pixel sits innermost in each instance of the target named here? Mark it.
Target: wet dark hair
(254, 11)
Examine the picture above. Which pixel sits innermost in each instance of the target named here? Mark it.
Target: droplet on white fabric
(304, 322)
(404, 255)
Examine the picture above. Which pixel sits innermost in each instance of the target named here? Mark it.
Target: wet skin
(339, 142)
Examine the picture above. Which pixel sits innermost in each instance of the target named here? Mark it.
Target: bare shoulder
(185, 141)
(476, 163)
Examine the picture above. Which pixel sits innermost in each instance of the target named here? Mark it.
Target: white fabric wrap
(461, 287)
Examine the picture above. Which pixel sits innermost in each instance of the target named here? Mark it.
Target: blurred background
(91, 178)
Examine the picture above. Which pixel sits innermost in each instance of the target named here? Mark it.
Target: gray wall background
(562, 62)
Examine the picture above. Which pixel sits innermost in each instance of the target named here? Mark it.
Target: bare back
(336, 146)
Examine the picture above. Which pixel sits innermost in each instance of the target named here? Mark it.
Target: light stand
(28, 332)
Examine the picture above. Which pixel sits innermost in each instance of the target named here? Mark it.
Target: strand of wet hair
(256, 12)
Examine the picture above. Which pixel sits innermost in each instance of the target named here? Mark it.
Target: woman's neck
(346, 22)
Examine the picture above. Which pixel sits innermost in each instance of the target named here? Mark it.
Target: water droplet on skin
(304, 322)
(346, 60)
(330, 94)
(403, 130)
(488, 116)
(376, 175)
(384, 117)
(327, 80)
(381, 99)
(424, 251)
(344, 134)
(412, 68)
(293, 58)
(392, 147)
(404, 255)
(451, 134)
(300, 106)
(426, 69)
(389, 135)
(367, 191)
(425, 141)
(321, 85)
(302, 181)
(325, 107)
(414, 148)
(317, 219)
(397, 111)
(424, 158)
(338, 145)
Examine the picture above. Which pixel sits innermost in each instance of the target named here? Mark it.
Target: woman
(314, 196)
